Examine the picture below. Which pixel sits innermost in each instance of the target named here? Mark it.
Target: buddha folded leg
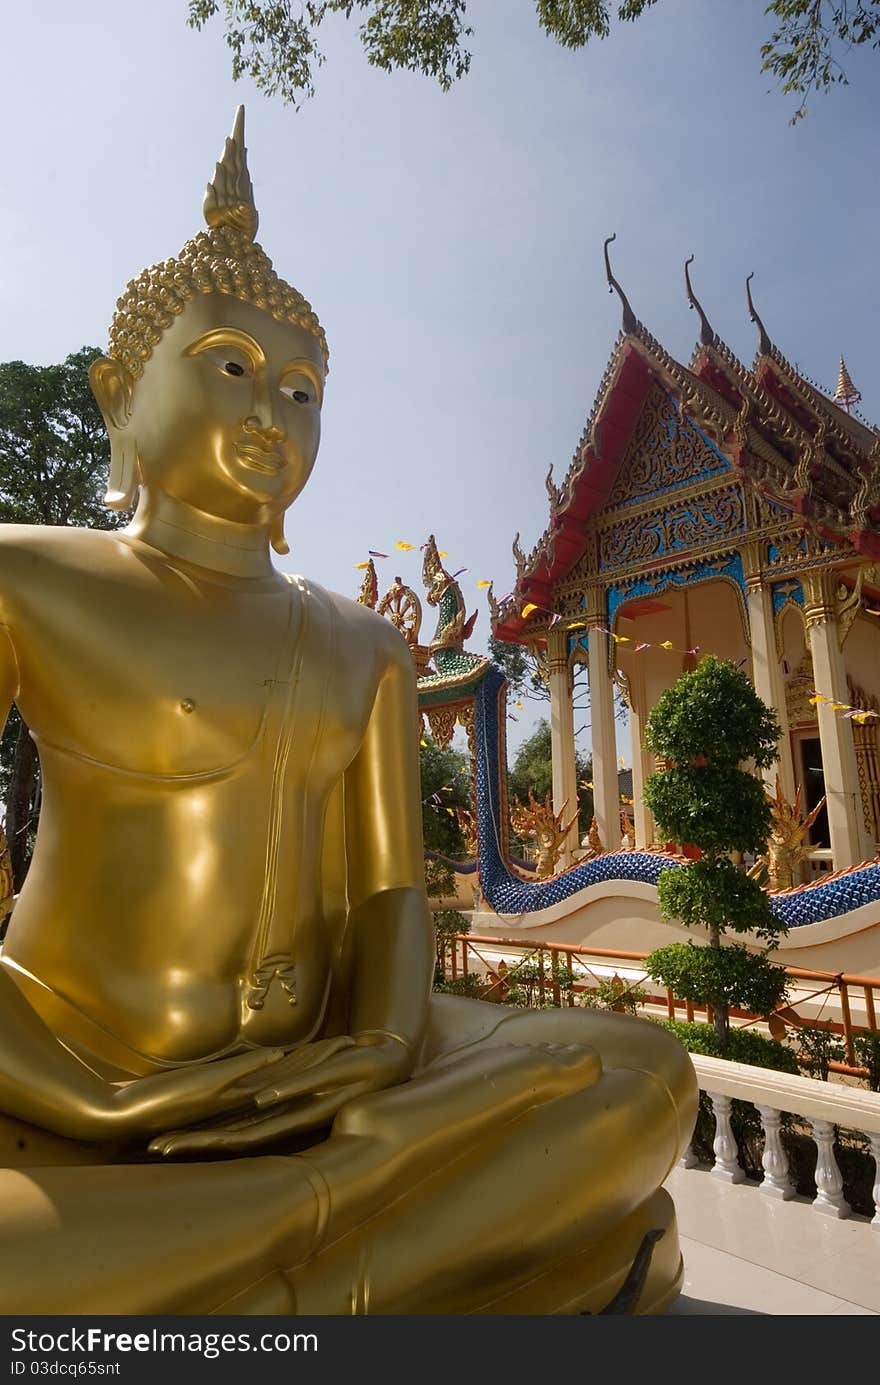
(573, 1180)
(495, 1162)
(172, 1238)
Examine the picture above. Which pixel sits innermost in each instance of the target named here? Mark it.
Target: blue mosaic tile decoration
(774, 551)
(783, 592)
(707, 571)
(827, 901)
(507, 894)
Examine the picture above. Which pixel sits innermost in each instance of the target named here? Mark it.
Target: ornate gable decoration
(666, 451)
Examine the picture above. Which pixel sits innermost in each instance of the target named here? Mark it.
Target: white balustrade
(777, 1179)
(821, 1105)
(726, 1164)
(829, 1184)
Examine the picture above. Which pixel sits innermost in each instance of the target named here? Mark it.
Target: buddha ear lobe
(111, 387)
(276, 536)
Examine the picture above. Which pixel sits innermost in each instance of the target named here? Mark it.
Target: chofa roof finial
(765, 344)
(708, 335)
(846, 394)
(630, 322)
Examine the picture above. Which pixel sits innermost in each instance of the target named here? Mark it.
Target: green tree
(275, 42)
(705, 727)
(519, 667)
(533, 769)
(445, 776)
(54, 458)
(522, 671)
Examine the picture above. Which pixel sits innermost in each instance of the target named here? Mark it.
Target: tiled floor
(747, 1253)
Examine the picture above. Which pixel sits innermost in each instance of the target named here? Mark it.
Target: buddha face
(226, 416)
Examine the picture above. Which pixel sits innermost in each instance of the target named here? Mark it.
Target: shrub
(867, 1048)
(744, 1046)
(448, 923)
(817, 1049)
(471, 985)
(728, 976)
(610, 993)
(705, 726)
(532, 984)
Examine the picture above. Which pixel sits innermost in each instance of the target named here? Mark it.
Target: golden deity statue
(546, 828)
(787, 845)
(223, 946)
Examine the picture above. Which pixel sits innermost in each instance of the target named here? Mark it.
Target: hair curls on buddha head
(223, 259)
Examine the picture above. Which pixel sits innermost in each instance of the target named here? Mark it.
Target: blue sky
(451, 244)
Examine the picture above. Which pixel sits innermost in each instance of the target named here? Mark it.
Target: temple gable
(666, 451)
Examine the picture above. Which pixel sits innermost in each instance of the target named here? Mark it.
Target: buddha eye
(299, 396)
(221, 359)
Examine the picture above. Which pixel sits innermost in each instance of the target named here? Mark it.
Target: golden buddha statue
(223, 946)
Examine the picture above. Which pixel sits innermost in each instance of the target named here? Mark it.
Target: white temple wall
(861, 653)
(793, 638)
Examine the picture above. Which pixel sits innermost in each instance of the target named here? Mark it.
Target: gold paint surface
(223, 946)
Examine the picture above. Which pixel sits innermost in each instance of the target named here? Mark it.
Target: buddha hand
(191, 1093)
(44, 1083)
(304, 1092)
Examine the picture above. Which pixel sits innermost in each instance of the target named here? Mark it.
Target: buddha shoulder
(371, 636)
(35, 556)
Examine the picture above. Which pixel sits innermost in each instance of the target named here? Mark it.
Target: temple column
(768, 678)
(606, 796)
(642, 760)
(562, 752)
(849, 843)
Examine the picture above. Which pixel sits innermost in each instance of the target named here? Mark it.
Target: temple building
(715, 509)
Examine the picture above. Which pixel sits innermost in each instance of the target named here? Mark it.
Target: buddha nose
(266, 432)
(266, 407)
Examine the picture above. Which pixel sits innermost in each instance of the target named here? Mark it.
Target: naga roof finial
(630, 321)
(765, 344)
(708, 335)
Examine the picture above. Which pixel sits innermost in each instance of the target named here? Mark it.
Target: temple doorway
(812, 776)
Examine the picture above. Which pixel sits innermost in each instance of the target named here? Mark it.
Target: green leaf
(713, 714)
(719, 976)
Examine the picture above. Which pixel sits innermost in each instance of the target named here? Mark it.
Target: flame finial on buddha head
(225, 258)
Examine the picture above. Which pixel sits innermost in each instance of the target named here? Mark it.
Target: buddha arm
(40, 1081)
(389, 921)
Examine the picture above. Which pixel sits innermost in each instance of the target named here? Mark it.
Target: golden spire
(224, 258)
(846, 394)
(229, 198)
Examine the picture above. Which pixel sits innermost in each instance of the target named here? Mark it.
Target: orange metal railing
(464, 951)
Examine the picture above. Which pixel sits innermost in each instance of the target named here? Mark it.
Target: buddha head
(212, 385)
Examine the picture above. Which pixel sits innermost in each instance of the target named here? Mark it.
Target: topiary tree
(705, 727)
